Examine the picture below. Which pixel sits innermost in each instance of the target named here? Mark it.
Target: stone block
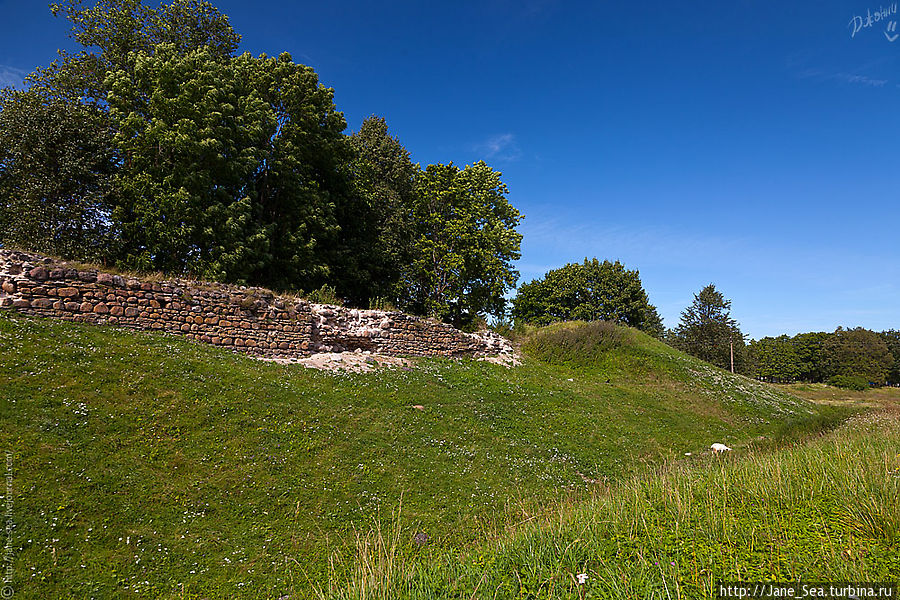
(39, 274)
(42, 303)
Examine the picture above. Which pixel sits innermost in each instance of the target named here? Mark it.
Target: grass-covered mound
(145, 465)
(577, 343)
(819, 512)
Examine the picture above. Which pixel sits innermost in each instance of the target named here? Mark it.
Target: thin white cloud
(12, 77)
(801, 65)
(809, 65)
(501, 147)
(860, 79)
(590, 238)
(820, 75)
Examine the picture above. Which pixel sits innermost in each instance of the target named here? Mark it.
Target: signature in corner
(859, 22)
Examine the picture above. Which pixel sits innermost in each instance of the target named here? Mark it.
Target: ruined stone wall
(246, 319)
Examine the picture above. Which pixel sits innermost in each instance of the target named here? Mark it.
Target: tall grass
(826, 510)
(575, 343)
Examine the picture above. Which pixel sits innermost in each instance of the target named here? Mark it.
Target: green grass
(148, 466)
(576, 343)
(823, 511)
(887, 398)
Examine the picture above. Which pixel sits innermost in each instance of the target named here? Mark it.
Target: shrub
(575, 343)
(326, 294)
(849, 382)
(381, 303)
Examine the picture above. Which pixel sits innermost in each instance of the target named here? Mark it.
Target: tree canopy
(775, 359)
(56, 164)
(858, 352)
(158, 147)
(843, 357)
(708, 331)
(380, 220)
(464, 243)
(891, 338)
(588, 291)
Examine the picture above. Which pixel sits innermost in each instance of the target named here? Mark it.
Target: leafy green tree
(708, 331)
(811, 356)
(588, 291)
(230, 168)
(113, 31)
(775, 359)
(858, 352)
(192, 136)
(376, 224)
(55, 166)
(58, 152)
(891, 338)
(233, 167)
(464, 247)
(303, 180)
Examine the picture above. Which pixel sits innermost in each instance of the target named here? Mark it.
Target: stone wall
(246, 319)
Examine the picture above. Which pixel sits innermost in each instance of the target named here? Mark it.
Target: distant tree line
(158, 147)
(607, 291)
(855, 358)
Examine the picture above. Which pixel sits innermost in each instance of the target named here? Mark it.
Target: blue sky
(751, 145)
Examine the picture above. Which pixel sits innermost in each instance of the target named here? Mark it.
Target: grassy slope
(148, 465)
(825, 511)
